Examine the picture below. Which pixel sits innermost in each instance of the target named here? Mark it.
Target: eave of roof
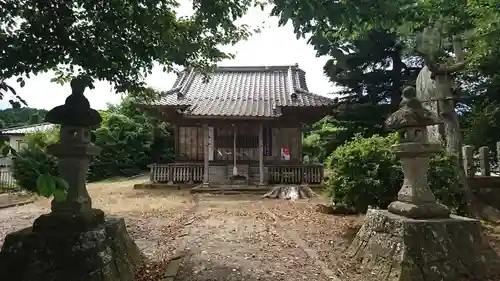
(253, 91)
(22, 130)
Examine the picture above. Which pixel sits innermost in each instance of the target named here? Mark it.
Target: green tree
(481, 117)
(125, 147)
(117, 41)
(371, 74)
(334, 28)
(130, 139)
(371, 43)
(162, 142)
(34, 119)
(323, 137)
(15, 100)
(13, 117)
(482, 124)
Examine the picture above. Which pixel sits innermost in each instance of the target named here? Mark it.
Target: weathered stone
(74, 242)
(415, 199)
(337, 209)
(419, 211)
(173, 267)
(411, 113)
(389, 247)
(106, 253)
(69, 222)
(427, 93)
(76, 109)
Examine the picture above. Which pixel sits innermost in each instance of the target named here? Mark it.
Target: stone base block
(105, 253)
(69, 222)
(422, 211)
(390, 247)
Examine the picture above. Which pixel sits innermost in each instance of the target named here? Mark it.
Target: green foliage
(15, 99)
(483, 124)
(125, 146)
(42, 139)
(13, 117)
(31, 169)
(117, 41)
(34, 119)
(322, 138)
(372, 50)
(34, 169)
(365, 173)
(130, 140)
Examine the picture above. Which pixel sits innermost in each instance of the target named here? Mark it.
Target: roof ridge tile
(244, 91)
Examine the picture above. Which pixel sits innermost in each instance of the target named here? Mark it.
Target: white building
(17, 136)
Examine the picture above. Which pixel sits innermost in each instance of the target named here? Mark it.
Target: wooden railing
(481, 163)
(176, 173)
(296, 174)
(483, 173)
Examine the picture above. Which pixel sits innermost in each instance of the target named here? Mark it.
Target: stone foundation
(105, 253)
(389, 247)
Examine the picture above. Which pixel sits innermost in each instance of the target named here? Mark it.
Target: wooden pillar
(301, 157)
(261, 154)
(235, 169)
(205, 154)
(176, 142)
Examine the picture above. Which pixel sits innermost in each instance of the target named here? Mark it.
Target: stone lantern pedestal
(415, 199)
(417, 239)
(74, 241)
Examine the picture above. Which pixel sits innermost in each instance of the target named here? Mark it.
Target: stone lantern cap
(76, 110)
(411, 113)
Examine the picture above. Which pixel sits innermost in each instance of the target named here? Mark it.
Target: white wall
(17, 142)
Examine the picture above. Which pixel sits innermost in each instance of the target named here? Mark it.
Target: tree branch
(459, 58)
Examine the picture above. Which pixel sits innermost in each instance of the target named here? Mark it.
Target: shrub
(34, 160)
(43, 139)
(365, 172)
(29, 163)
(128, 146)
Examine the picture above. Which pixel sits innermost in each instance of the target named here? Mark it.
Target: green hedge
(365, 172)
(31, 162)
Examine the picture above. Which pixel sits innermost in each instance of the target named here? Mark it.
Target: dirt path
(153, 217)
(225, 238)
(234, 238)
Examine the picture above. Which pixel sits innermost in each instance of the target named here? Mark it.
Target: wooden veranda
(242, 126)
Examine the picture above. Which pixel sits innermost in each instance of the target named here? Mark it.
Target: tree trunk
(290, 192)
(453, 138)
(397, 81)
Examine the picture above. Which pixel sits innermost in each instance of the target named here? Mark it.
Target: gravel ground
(327, 235)
(154, 217)
(222, 237)
(235, 238)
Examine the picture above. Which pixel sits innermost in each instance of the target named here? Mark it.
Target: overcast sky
(273, 46)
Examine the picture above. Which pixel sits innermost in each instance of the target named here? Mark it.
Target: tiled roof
(242, 91)
(21, 130)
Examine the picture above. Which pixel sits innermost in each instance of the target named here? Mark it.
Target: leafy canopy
(330, 25)
(116, 40)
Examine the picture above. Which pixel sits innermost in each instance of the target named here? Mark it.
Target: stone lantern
(415, 199)
(74, 241)
(74, 151)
